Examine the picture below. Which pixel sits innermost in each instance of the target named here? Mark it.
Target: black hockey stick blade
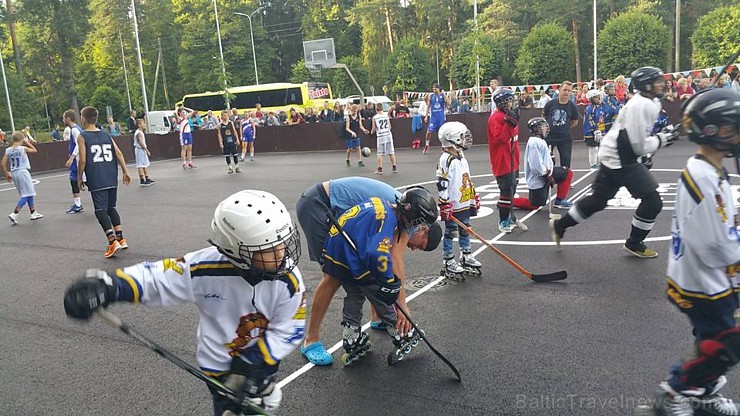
(550, 277)
(434, 350)
(116, 322)
(724, 68)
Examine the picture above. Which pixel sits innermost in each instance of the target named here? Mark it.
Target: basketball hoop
(314, 70)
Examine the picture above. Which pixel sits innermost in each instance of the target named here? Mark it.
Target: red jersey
(500, 136)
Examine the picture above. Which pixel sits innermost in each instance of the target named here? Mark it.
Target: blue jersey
(18, 158)
(437, 106)
(73, 133)
(370, 225)
(662, 121)
(247, 129)
(593, 119)
(347, 192)
(611, 109)
(101, 164)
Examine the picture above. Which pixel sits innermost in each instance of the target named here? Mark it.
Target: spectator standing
(690, 82)
(55, 134)
(544, 99)
(670, 92)
(525, 99)
(310, 117)
(368, 113)
(621, 89)
(27, 133)
(131, 122)
(258, 113)
(684, 90)
(196, 123)
(581, 98)
(113, 128)
(465, 106)
(337, 112)
(562, 115)
(326, 115)
(209, 121)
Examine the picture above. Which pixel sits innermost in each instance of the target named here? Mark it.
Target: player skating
(381, 126)
(228, 140)
(456, 197)
(434, 115)
(70, 120)
(247, 288)
(704, 254)
(142, 153)
(364, 254)
(17, 156)
(99, 160)
(629, 138)
(593, 126)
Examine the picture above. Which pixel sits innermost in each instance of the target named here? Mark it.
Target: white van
(159, 121)
(380, 99)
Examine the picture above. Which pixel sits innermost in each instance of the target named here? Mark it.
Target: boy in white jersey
(142, 153)
(703, 257)
(382, 128)
(457, 198)
(249, 292)
(19, 174)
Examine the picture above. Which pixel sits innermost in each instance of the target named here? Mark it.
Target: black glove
(512, 118)
(248, 381)
(647, 160)
(389, 290)
(85, 295)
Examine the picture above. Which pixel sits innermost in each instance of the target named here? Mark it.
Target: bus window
(205, 102)
(271, 98)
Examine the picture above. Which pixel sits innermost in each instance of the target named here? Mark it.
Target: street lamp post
(7, 94)
(251, 34)
(220, 47)
(46, 106)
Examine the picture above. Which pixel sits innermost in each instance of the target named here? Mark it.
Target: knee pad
(650, 206)
(114, 217)
(104, 220)
(716, 356)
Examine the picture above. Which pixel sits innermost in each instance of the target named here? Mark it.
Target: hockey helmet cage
(539, 127)
(501, 97)
(643, 80)
(703, 115)
(455, 134)
(253, 229)
(417, 206)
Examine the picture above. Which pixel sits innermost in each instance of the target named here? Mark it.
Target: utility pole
(678, 36)
(125, 73)
(156, 77)
(141, 66)
(164, 77)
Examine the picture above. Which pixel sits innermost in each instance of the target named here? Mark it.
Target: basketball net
(314, 70)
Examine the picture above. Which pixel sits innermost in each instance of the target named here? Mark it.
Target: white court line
(287, 380)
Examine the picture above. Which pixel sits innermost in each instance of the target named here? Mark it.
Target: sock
(593, 155)
(110, 235)
(426, 142)
(524, 203)
(119, 235)
(251, 154)
(564, 186)
(78, 202)
(141, 178)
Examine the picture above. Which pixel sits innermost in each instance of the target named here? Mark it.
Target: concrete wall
(301, 138)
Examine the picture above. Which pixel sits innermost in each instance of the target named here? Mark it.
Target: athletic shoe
(237, 170)
(506, 226)
(13, 218)
(36, 215)
(184, 166)
(378, 172)
(520, 224)
(151, 181)
(554, 233)
(241, 159)
(562, 203)
(251, 158)
(75, 209)
(395, 169)
(112, 249)
(145, 184)
(347, 162)
(640, 250)
(123, 243)
(142, 183)
(360, 164)
(595, 166)
(378, 325)
(231, 170)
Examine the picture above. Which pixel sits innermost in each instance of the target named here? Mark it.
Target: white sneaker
(36, 215)
(13, 218)
(231, 170)
(467, 259)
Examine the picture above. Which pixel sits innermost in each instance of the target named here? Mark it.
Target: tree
(490, 57)
(716, 36)
(408, 67)
(341, 84)
(632, 40)
(105, 96)
(546, 55)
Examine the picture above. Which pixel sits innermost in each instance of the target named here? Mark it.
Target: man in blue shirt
(436, 104)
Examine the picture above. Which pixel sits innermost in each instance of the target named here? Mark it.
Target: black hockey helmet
(417, 206)
(501, 97)
(539, 127)
(644, 80)
(610, 88)
(704, 114)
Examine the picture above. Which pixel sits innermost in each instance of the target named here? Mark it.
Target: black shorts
(104, 198)
(75, 187)
(230, 149)
(636, 178)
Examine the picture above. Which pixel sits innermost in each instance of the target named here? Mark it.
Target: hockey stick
(351, 243)
(116, 322)
(514, 184)
(539, 278)
(549, 195)
(724, 68)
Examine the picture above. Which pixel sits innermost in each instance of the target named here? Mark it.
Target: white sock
(78, 202)
(251, 154)
(427, 142)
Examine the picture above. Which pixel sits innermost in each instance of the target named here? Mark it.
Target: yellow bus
(272, 97)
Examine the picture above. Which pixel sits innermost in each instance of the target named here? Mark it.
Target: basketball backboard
(319, 53)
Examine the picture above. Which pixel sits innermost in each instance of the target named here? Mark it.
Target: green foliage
(630, 41)
(408, 68)
(104, 96)
(546, 55)
(27, 110)
(716, 36)
(490, 58)
(341, 84)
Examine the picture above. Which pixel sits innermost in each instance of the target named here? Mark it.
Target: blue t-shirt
(370, 225)
(347, 192)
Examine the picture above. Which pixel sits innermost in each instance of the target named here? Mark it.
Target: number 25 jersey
(101, 164)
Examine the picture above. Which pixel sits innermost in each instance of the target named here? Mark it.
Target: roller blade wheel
(472, 271)
(350, 357)
(457, 277)
(405, 349)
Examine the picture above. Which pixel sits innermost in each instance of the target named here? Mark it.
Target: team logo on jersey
(721, 207)
(385, 245)
(251, 326)
(467, 192)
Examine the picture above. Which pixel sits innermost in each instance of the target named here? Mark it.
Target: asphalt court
(594, 344)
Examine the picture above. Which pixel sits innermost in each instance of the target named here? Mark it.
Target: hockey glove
(389, 290)
(86, 295)
(668, 136)
(647, 160)
(598, 135)
(550, 179)
(250, 382)
(510, 119)
(446, 211)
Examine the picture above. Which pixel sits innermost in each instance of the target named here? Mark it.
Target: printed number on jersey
(102, 153)
(382, 124)
(15, 161)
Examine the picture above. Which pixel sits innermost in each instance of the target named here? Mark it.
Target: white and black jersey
(631, 136)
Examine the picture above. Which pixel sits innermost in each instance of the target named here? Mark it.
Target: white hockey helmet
(454, 133)
(591, 94)
(254, 230)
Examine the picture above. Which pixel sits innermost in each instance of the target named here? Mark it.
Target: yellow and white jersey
(262, 321)
(453, 181)
(705, 245)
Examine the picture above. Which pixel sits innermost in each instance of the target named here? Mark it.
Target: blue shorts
(186, 139)
(435, 124)
(352, 143)
(248, 139)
